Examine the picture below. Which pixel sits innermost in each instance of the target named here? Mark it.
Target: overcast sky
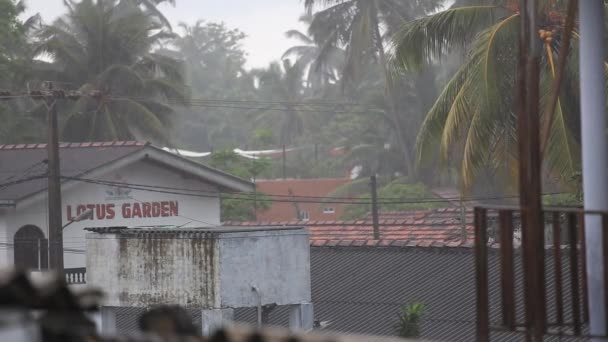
(264, 21)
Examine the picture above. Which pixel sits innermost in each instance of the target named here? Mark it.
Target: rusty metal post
(481, 263)
(507, 273)
(574, 274)
(557, 264)
(533, 187)
(583, 262)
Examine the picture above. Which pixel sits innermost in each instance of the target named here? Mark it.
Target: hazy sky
(264, 21)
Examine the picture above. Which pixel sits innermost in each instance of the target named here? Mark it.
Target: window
(329, 210)
(304, 216)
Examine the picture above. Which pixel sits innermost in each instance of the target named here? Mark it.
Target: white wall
(276, 262)
(191, 211)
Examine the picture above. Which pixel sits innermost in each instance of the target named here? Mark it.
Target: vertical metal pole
(54, 190)
(595, 153)
(522, 139)
(481, 265)
(534, 213)
(316, 154)
(374, 185)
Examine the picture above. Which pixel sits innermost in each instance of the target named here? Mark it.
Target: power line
(296, 197)
(249, 197)
(71, 94)
(192, 103)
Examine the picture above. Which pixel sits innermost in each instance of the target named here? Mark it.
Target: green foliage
(241, 207)
(108, 45)
(409, 320)
(568, 199)
(472, 122)
(395, 191)
(215, 64)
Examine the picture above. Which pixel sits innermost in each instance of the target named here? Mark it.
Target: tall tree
(215, 61)
(108, 45)
(322, 59)
(362, 27)
(16, 66)
(474, 115)
(284, 84)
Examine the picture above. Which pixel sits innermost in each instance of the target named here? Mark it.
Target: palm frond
(428, 39)
(295, 34)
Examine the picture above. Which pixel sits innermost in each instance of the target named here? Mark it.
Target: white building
(116, 183)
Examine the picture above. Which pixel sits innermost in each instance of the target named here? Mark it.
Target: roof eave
(221, 179)
(224, 180)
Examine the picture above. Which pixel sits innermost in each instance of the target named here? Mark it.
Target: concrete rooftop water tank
(206, 268)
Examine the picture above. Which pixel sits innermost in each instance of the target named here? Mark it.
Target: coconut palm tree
(474, 116)
(108, 46)
(362, 27)
(284, 84)
(16, 66)
(323, 60)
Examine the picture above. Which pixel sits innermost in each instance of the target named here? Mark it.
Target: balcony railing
(76, 275)
(544, 271)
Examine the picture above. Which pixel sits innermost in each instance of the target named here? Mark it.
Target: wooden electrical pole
(54, 187)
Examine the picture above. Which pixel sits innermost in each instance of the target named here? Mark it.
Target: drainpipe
(259, 306)
(595, 153)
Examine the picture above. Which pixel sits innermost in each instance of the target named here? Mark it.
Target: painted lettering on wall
(109, 211)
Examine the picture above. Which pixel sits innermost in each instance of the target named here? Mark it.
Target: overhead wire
(281, 198)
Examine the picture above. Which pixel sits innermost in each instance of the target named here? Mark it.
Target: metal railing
(552, 272)
(76, 275)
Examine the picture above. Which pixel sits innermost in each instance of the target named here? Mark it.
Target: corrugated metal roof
(361, 290)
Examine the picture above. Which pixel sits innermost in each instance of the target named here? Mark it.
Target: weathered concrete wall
(147, 270)
(208, 269)
(277, 263)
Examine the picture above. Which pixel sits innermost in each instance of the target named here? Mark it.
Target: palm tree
(474, 117)
(17, 65)
(215, 61)
(323, 60)
(284, 85)
(107, 46)
(362, 27)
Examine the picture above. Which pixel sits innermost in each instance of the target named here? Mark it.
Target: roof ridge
(304, 179)
(115, 143)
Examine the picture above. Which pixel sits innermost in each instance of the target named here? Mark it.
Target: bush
(409, 320)
(396, 192)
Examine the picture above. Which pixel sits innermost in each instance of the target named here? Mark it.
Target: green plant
(409, 320)
(391, 194)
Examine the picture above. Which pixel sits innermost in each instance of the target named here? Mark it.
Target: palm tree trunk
(404, 144)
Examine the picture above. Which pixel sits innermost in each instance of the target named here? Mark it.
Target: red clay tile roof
(285, 211)
(432, 228)
(75, 145)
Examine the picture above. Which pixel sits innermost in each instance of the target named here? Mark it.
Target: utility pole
(54, 186)
(595, 155)
(284, 162)
(374, 185)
